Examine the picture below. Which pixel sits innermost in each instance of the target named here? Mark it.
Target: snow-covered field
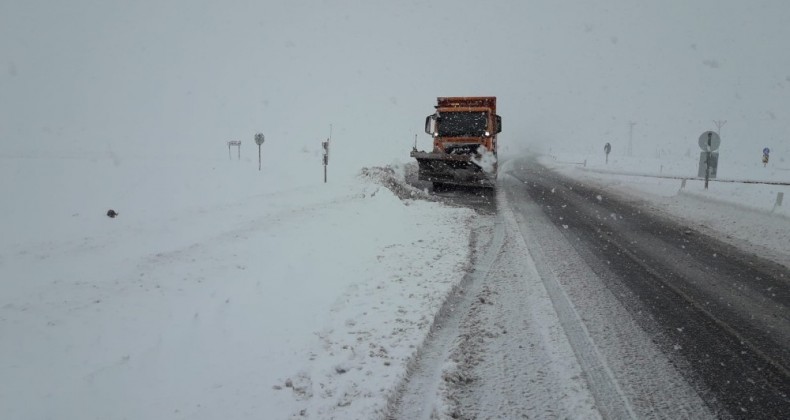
(222, 291)
(218, 292)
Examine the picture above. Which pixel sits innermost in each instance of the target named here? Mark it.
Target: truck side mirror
(498, 124)
(430, 123)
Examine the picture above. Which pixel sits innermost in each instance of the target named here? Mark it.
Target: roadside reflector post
(325, 146)
(683, 183)
(780, 196)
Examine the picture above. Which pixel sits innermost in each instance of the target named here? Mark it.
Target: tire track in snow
(655, 385)
(609, 397)
(420, 395)
(497, 348)
(514, 359)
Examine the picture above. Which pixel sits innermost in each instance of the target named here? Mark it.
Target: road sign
(709, 141)
(234, 143)
(708, 167)
(259, 141)
(766, 151)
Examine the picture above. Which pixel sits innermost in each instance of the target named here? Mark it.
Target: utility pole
(631, 138)
(719, 125)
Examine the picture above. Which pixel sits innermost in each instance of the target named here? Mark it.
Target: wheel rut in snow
(609, 398)
(498, 348)
(420, 395)
(613, 350)
(514, 359)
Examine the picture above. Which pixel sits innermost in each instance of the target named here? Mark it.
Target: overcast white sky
(183, 77)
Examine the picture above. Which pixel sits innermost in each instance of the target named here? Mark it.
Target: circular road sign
(766, 151)
(259, 139)
(709, 138)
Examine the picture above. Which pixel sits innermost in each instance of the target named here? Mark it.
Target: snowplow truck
(464, 152)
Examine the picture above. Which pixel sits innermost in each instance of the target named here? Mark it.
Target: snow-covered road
(714, 314)
(536, 333)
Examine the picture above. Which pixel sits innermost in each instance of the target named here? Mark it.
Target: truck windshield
(462, 124)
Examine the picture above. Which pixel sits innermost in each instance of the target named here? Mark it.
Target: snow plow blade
(444, 168)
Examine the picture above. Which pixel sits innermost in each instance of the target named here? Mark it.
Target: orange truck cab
(464, 131)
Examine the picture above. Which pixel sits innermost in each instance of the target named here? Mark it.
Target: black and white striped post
(325, 146)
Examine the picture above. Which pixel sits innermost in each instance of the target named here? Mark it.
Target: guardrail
(779, 195)
(694, 178)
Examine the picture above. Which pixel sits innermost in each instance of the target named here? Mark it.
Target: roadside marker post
(325, 146)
